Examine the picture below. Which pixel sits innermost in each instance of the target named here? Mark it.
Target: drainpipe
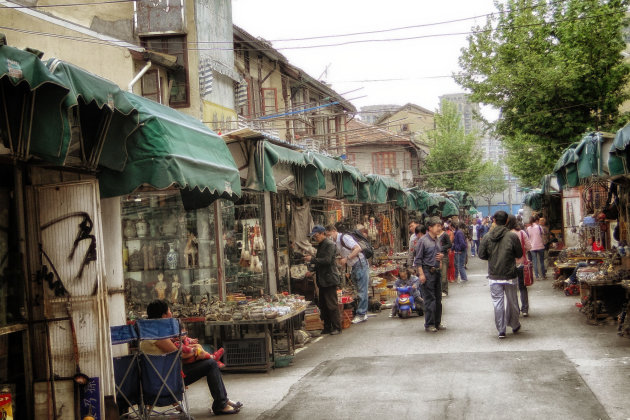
(138, 76)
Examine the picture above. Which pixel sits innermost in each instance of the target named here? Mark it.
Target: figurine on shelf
(160, 287)
(130, 229)
(190, 251)
(175, 289)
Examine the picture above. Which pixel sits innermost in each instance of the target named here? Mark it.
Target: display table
(252, 353)
(602, 296)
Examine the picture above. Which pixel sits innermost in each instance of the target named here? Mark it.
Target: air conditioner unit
(407, 174)
(394, 171)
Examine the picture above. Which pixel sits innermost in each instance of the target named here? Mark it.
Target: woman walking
(460, 247)
(517, 228)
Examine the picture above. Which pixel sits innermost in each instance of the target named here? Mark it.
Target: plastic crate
(245, 352)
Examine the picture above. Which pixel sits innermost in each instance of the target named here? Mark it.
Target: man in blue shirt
(427, 261)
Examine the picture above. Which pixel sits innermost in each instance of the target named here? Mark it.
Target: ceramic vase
(171, 258)
(142, 227)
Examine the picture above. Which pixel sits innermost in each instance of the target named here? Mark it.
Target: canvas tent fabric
(618, 159)
(33, 121)
(534, 199)
(106, 116)
(173, 149)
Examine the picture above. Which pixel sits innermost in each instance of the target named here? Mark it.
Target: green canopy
(308, 167)
(534, 199)
(382, 189)
(32, 115)
(462, 198)
(581, 160)
(106, 116)
(170, 148)
(618, 161)
(472, 210)
(566, 167)
(354, 183)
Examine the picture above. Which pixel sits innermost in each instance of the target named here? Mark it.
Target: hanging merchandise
(372, 231)
(259, 244)
(245, 254)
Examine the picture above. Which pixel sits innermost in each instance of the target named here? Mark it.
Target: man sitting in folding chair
(194, 371)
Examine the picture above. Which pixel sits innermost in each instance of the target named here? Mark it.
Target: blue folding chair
(127, 375)
(162, 384)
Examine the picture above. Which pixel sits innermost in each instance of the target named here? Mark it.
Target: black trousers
(208, 368)
(329, 308)
(432, 295)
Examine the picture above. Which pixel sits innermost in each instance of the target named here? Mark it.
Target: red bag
(528, 273)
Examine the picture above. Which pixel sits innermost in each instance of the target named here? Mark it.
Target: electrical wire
(306, 47)
(42, 6)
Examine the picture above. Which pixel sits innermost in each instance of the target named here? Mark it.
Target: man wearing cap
(427, 261)
(327, 280)
(351, 255)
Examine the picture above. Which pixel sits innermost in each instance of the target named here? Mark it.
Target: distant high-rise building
(466, 109)
(371, 113)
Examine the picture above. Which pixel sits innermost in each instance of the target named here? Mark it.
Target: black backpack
(363, 242)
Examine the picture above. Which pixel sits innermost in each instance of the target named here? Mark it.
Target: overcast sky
(422, 65)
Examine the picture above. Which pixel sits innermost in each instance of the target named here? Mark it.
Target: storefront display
(168, 253)
(244, 249)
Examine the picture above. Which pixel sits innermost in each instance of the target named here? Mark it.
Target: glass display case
(168, 253)
(244, 249)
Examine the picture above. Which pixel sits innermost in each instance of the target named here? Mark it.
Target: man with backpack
(352, 255)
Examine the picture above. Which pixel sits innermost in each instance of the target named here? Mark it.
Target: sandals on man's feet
(228, 409)
(236, 404)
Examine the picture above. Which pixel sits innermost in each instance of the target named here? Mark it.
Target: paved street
(557, 366)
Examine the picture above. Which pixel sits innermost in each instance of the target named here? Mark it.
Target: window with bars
(177, 80)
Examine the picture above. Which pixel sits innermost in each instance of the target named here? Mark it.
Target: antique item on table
(150, 257)
(191, 251)
(160, 286)
(175, 288)
(171, 257)
(298, 271)
(142, 227)
(130, 229)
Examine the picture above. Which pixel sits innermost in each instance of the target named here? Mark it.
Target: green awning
(33, 120)
(534, 199)
(173, 149)
(619, 157)
(472, 210)
(106, 116)
(353, 182)
(566, 167)
(382, 189)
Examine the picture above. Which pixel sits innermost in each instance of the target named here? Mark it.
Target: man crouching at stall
(501, 247)
(327, 280)
(427, 261)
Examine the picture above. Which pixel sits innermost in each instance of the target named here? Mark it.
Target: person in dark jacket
(445, 245)
(501, 247)
(327, 280)
(460, 248)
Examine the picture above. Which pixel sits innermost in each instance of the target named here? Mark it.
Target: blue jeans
(522, 290)
(538, 258)
(475, 247)
(460, 261)
(360, 276)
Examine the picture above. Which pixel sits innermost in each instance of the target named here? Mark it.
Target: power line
(305, 47)
(68, 5)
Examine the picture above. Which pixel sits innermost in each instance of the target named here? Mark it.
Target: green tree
(491, 181)
(453, 163)
(555, 71)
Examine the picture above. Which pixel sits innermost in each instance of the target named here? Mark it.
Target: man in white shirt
(352, 256)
